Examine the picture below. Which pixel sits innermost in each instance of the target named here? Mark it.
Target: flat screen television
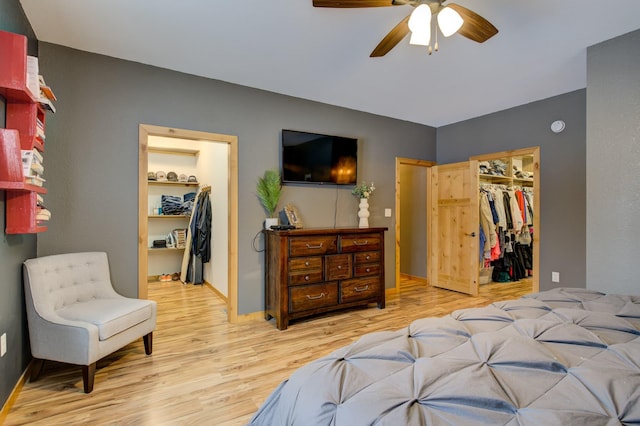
(318, 159)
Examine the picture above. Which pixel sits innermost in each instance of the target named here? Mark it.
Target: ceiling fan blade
(390, 40)
(475, 27)
(352, 3)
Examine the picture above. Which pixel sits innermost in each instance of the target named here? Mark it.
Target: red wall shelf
(24, 118)
(13, 73)
(21, 217)
(10, 160)
(25, 122)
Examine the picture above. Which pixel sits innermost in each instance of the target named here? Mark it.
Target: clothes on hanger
(198, 243)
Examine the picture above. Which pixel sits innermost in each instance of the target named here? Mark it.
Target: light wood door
(454, 226)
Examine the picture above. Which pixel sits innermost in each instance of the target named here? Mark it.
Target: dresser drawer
(305, 263)
(360, 242)
(305, 277)
(366, 257)
(308, 246)
(337, 267)
(359, 289)
(366, 269)
(308, 297)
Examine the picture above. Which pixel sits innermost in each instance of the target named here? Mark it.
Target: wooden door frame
(146, 130)
(408, 162)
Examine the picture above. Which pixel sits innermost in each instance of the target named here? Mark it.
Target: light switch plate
(387, 212)
(555, 277)
(3, 344)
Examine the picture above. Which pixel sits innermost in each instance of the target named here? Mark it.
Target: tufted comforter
(560, 357)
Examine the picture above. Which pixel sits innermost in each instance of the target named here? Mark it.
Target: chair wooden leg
(36, 368)
(148, 343)
(88, 373)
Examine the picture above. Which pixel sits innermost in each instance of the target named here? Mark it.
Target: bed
(559, 357)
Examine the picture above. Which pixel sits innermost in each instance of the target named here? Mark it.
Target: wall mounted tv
(318, 159)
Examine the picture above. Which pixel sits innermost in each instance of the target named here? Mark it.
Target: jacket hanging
(198, 240)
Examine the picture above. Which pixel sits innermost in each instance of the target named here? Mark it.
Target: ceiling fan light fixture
(420, 25)
(449, 21)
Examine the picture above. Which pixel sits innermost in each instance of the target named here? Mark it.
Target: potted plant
(269, 189)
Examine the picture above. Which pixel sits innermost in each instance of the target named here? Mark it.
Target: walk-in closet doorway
(218, 149)
(411, 219)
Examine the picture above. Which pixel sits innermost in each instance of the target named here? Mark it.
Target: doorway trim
(407, 162)
(534, 151)
(146, 130)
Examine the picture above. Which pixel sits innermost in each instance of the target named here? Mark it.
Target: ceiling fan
(451, 18)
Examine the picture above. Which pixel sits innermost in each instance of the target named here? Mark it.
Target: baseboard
(14, 393)
(217, 292)
(253, 316)
(414, 278)
(390, 292)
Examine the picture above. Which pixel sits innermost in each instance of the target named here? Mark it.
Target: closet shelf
(173, 151)
(151, 249)
(168, 216)
(523, 182)
(167, 183)
(495, 178)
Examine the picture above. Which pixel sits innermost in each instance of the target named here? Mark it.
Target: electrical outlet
(3, 344)
(555, 277)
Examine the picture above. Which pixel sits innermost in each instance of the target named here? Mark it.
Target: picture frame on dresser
(293, 216)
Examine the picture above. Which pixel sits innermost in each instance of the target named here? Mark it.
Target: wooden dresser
(311, 271)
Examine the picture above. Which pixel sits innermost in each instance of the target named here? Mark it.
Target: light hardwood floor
(204, 371)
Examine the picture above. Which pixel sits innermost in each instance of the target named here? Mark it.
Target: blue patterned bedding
(559, 357)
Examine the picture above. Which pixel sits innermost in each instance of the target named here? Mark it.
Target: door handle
(473, 234)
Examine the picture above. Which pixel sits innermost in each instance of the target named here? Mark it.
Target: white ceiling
(290, 47)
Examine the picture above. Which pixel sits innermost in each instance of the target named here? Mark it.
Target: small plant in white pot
(269, 189)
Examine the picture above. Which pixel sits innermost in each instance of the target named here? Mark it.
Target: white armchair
(76, 317)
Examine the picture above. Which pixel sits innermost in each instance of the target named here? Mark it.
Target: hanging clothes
(198, 248)
(528, 197)
(516, 214)
(510, 210)
(486, 222)
(498, 200)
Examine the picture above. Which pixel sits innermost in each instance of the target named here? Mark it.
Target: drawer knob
(309, 246)
(368, 257)
(320, 296)
(306, 277)
(306, 263)
(358, 243)
(339, 266)
(368, 270)
(361, 289)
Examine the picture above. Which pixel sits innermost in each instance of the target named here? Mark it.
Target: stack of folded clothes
(493, 167)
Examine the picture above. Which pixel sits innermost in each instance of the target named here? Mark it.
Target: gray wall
(562, 172)
(92, 156)
(14, 249)
(613, 164)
